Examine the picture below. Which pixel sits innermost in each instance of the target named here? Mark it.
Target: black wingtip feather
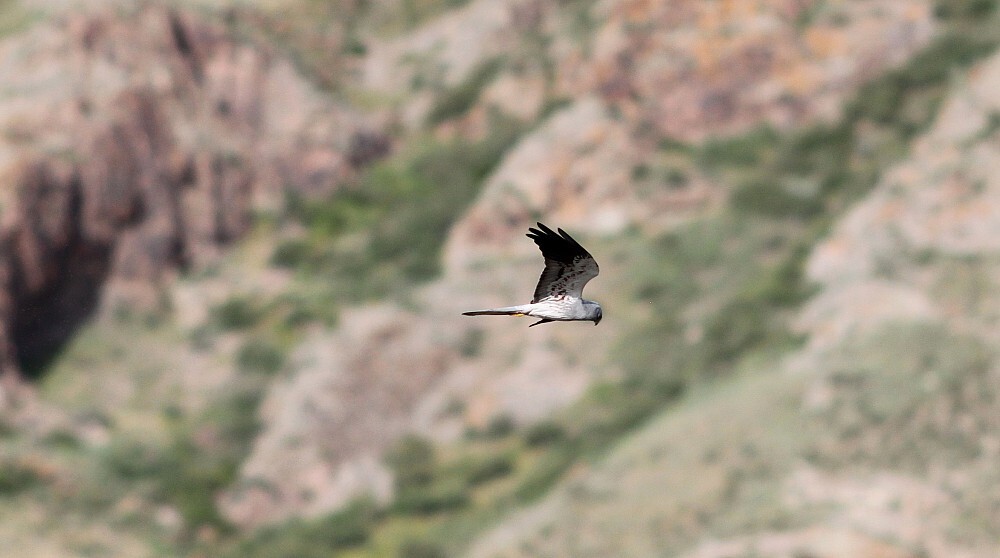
(540, 232)
(556, 245)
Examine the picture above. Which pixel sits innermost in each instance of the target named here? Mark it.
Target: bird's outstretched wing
(568, 266)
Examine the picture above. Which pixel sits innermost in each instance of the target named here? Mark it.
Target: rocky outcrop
(60, 234)
(138, 145)
(693, 69)
(687, 69)
(912, 243)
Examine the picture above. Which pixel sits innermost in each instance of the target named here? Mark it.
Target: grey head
(593, 310)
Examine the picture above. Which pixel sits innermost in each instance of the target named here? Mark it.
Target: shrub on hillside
(312, 538)
(412, 461)
(544, 433)
(259, 356)
(237, 312)
(421, 549)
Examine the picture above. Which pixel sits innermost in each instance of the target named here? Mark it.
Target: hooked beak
(597, 321)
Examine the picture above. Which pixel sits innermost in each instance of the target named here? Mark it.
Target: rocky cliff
(137, 146)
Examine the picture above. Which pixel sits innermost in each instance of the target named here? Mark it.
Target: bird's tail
(505, 311)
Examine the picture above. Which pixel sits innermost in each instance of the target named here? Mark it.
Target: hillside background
(236, 238)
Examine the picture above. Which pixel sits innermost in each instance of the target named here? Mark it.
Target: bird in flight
(559, 293)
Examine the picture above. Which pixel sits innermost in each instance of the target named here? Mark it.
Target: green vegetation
(17, 476)
(15, 17)
(544, 433)
(742, 270)
(193, 471)
(458, 100)
(186, 469)
(407, 14)
(956, 9)
(433, 498)
(897, 99)
(548, 470)
(421, 549)
(887, 388)
(766, 197)
(426, 485)
(472, 343)
(260, 356)
(746, 150)
(498, 427)
(238, 312)
(385, 231)
(412, 461)
(486, 469)
(311, 538)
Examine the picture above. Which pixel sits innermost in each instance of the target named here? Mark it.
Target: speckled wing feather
(568, 266)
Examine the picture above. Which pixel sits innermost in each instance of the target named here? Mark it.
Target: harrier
(559, 294)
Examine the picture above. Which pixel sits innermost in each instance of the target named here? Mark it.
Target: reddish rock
(138, 145)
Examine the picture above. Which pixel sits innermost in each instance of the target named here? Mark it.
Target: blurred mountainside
(236, 241)
(140, 145)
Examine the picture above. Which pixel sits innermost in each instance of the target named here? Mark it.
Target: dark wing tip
(558, 246)
(541, 232)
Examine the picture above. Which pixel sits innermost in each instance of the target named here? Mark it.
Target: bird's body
(559, 293)
(553, 309)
